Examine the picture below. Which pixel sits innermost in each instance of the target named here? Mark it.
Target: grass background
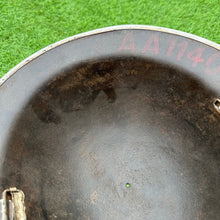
(29, 25)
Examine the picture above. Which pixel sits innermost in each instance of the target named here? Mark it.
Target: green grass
(29, 25)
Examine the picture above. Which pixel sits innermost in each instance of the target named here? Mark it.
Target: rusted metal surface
(118, 137)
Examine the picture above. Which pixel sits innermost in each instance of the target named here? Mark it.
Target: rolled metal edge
(104, 30)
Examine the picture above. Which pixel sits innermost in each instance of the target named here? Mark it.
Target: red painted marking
(208, 69)
(195, 56)
(152, 44)
(127, 43)
(171, 47)
(183, 47)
